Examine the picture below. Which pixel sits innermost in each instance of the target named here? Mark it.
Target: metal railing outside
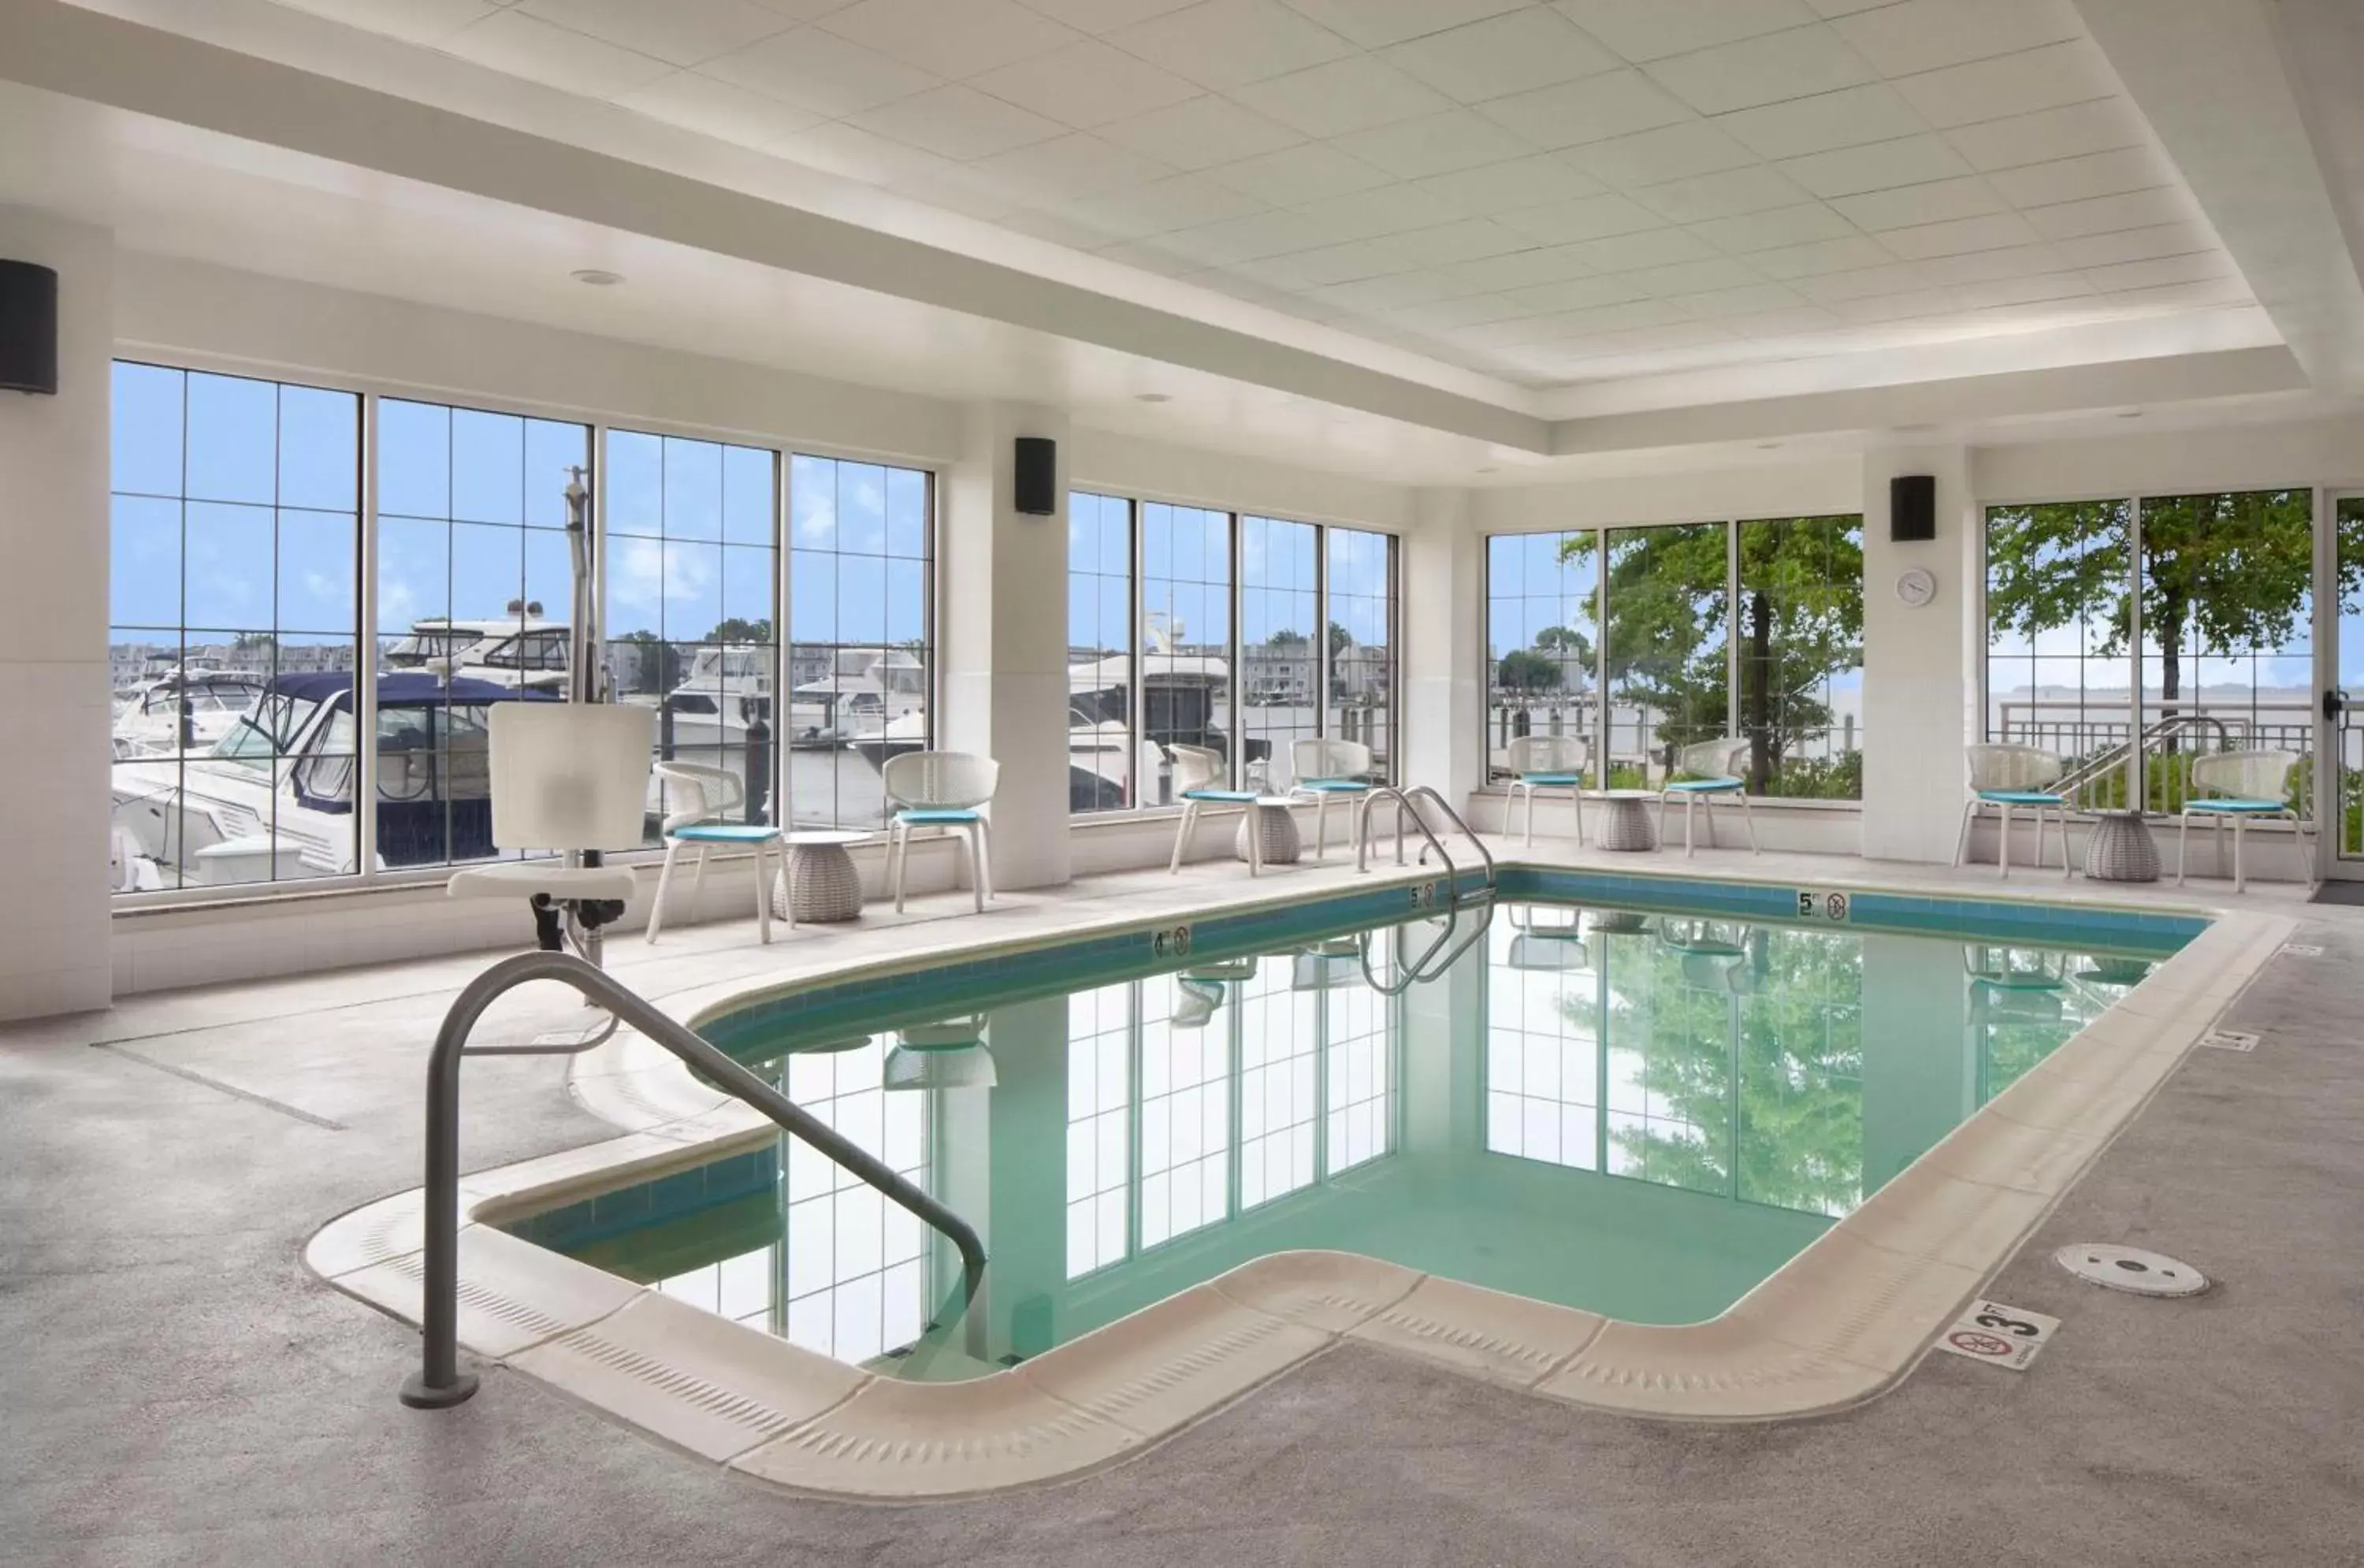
(439, 1382)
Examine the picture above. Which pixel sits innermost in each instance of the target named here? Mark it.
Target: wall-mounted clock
(1916, 587)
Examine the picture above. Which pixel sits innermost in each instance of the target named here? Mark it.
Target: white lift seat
(554, 878)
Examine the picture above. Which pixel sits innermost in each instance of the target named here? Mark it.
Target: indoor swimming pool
(1640, 1106)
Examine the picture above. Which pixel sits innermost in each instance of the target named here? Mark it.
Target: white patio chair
(1706, 773)
(1547, 762)
(1320, 769)
(2006, 776)
(2244, 786)
(1198, 773)
(706, 799)
(940, 789)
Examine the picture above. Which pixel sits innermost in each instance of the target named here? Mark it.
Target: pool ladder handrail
(1420, 971)
(439, 1383)
(1406, 801)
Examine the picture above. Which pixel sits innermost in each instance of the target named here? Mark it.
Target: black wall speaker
(1038, 476)
(1912, 507)
(28, 327)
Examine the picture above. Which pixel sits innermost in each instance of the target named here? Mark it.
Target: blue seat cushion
(1702, 786)
(1333, 786)
(2021, 797)
(1550, 779)
(725, 833)
(2240, 807)
(937, 814)
(1223, 795)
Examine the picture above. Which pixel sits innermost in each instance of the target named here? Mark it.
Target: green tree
(737, 629)
(1525, 670)
(658, 670)
(1286, 637)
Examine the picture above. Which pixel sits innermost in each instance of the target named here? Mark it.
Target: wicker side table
(2120, 849)
(1270, 817)
(819, 882)
(1625, 819)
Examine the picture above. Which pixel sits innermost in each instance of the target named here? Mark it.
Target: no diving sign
(1998, 1335)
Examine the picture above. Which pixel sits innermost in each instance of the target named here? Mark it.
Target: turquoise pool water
(1637, 1111)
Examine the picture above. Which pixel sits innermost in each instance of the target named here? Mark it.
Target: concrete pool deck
(183, 1391)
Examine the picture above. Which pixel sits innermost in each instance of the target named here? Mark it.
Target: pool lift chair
(1547, 938)
(573, 777)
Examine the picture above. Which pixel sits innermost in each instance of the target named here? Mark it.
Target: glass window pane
(1801, 655)
(1543, 637)
(1100, 729)
(1668, 679)
(2059, 596)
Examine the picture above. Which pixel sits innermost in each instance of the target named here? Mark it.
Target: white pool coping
(1843, 1321)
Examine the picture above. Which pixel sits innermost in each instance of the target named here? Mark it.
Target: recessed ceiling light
(1153, 397)
(597, 277)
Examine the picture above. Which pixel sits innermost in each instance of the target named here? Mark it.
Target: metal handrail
(2118, 755)
(1428, 792)
(1403, 808)
(440, 1382)
(1420, 971)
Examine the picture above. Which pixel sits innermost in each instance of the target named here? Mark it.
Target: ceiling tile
(2138, 244)
(949, 40)
(1844, 8)
(1068, 168)
(1054, 227)
(1750, 299)
(1590, 218)
(795, 10)
(1651, 30)
(1470, 240)
(1451, 315)
(1536, 181)
(1827, 121)
(1779, 226)
(1615, 104)
(1693, 277)
(1374, 24)
(1185, 201)
(1575, 294)
(2076, 179)
(1670, 152)
(2162, 270)
(1991, 232)
(1327, 265)
(957, 188)
(1096, 16)
(1768, 69)
(2215, 291)
(2015, 84)
(421, 21)
(2070, 131)
(1224, 44)
(1147, 255)
(1803, 321)
(1729, 194)
(1391, 293)
(683, 32)
(1606, 318)
(858, 154)
(1086, 84)
(2135, 209)
(1650, 247)
(1514, 53)
(1201, 133)
(1297, 175)
(702, 104)
(1937, 201)
(1383, 209)
(1979, 266)
(1822, 256)
(1861, 283)
(956, 122)
(819, 72)
(1924, 35)
(1436, 144)
(1876, 166)
(1344, 96)
(525, 46)
(1245, 239)
(1522, 269)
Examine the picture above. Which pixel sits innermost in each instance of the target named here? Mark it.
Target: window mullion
(1732, 674)
(2134, 765)
(365, 651)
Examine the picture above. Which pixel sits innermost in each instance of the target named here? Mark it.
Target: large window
(1280, 667)
(2206, 600)
(1100, 730)
(235, 610)
(1695, 631)
(860, 652)
(692, 574)
(1358, 705)
(1185, 636)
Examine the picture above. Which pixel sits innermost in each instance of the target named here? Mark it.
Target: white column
(1919, 672)
(53, 609)
(1004, 638)
(1444, 646)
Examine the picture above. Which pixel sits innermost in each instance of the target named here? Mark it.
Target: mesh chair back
(2262, 775)
(1713, 759)
(2012, 767)
(1547, 754)
(1196, 767)
(569, 775)
(699, 794)
(940, 781)
(1309, 759)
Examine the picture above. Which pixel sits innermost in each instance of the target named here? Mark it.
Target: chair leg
(1662, 820)
(787, 882)
(975, 865)
(1182, 836)
(985, 839)
(898, 853)
(1321, 825)
(2218, 836)
(665, 885)
(2182, 846)
(698, 884)
(1577, 796)
(1515, 793)
(762, 900)
(1256, 844)
(1748, 820)
(1962, 840)
(2068, 861)
(2240, 837)
(2005, 856)
(1691, 826)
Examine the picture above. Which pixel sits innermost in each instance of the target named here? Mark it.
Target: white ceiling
(1548, 194)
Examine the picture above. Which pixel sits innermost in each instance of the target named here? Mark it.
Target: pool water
(1636, 1113)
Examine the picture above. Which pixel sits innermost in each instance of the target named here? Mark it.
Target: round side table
(2120, 849)
(1625, 819)
(819, 882)
(1271, 819)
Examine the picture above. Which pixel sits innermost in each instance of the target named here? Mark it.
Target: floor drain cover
(2131, 1268)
